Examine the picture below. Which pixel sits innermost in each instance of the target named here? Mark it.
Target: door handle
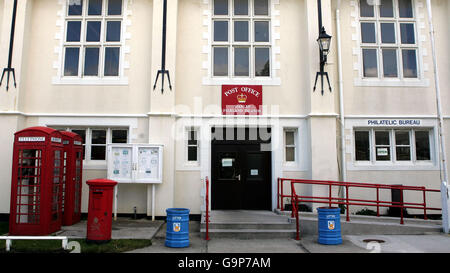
(238, 177)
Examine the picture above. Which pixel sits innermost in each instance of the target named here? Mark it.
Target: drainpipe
(341, 96)
(443, 163)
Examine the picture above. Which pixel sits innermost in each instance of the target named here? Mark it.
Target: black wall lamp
(324, 42)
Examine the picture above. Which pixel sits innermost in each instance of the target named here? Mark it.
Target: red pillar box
(99, 224)
(72, 176)
(36, 186)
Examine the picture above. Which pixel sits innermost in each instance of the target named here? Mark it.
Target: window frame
(392, 147)
(187, 145)
(400, 79)
(104, 18)
(88, 141)
(295, 162)
(251, 44)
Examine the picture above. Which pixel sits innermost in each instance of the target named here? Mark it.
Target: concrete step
(253, 226)
(370, 225)
(249, 233)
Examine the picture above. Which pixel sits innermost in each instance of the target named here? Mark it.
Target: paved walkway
(156, 230)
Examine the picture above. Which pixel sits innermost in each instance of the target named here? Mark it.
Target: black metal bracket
(8, 70)
(322, 74)
(163, 70)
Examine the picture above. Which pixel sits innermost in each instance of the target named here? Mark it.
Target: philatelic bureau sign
(241, 99)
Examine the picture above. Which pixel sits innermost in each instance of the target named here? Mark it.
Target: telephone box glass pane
(56, 185)
(28, 186)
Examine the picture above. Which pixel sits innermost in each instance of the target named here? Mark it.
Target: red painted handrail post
(424, 205)
(378, 201)
(278, 196)
(297, 219)
(346, 196)
(207, 209)
(401, 207)
(282, 195)
(329, 196)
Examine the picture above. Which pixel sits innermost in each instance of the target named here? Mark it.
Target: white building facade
(89, 66)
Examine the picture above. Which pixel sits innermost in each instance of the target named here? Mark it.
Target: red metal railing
(347, 201)
(207, 208)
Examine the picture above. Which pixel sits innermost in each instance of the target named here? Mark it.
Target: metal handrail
(330, 200)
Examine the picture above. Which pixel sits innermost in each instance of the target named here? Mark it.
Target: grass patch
(4, 227)
(55, 246)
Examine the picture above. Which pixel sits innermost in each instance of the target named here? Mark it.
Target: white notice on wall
(382, 151)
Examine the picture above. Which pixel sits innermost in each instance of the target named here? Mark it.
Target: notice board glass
(135, 163)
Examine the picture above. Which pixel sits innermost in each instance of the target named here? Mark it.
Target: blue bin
(177, 232)
(329, 226)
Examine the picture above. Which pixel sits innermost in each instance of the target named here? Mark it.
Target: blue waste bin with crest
(177, 231)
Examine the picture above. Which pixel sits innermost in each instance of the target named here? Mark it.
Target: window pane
(93, 31)
(422, 145)
(241, 31)
(407, 33)
(409, 63)
(98, 152)
(112, 61)
(261, 7)
(192, 137)
(366, 10)
(387, 33)
(91, 60)
(290, 139)
(290, 154)
(98, 136)
(240, 7)
(368, 33)
(73, 31)
(113, 31)
(220, 61)
(81, 133)
(95, 7)
(370, 62)
(405, 8)
(402, 138)
(382, 138)
(362, 150)
(241, 61)
(192, 153)
(261, 31)
(119, 136)
(75, 7)
(386, 9)
(262, 62)
(114, 7)
(390, 63)
(220, 31)
(403, 153)
(220, 7)
(71, 60)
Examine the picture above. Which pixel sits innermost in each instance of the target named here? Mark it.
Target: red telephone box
(99, 225)
(72, 177)
(36, 186)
